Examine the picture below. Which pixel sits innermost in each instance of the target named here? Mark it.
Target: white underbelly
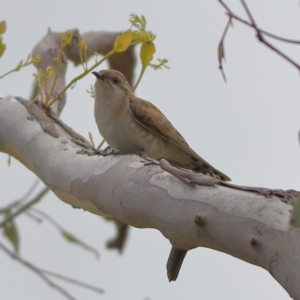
(125, 134)
(131, 137)
(121, 138)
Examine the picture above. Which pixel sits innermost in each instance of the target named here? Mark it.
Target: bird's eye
(116, 80)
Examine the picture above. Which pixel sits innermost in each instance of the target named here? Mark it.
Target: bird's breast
(122, 132)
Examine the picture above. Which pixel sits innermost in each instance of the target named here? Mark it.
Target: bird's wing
(151, 118)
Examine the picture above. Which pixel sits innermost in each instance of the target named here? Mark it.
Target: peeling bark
(244, 224)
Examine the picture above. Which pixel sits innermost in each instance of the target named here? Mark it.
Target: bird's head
(111, 84)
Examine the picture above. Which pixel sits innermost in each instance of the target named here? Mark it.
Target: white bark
(243, 224)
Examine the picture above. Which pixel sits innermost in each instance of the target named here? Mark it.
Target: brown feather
(151, 118)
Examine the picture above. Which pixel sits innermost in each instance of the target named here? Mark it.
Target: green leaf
(36, 59)
(11, 233)
(72, 239)
(123, 41)
(19, 66)
(146, 54)
(144, 22)
(91, 139)
(66, 38)
(2, 27)
(83, 45)
(2, 46)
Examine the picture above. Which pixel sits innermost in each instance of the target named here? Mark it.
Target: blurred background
(246, 128)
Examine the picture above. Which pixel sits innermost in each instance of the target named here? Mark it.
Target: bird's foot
(118, 152)
(187, 176)
(149, 160)
(90, 151)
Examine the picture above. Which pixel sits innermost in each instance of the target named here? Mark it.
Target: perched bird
(130, 124)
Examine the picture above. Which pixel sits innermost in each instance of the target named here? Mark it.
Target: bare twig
(261, 32)
(22, 199)
(33, 217)
(67, 235)
(26, 206)
(37, 271)
(221, 52)
(274, 36)
(261, 38)
(74, 281)
(249, 15)
(29, 192)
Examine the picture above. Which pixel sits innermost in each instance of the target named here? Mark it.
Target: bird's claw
(90, 151)
(149, 161)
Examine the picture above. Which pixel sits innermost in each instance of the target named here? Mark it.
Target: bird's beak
(98, 75)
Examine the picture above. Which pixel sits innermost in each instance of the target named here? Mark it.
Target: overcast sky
(247, 128)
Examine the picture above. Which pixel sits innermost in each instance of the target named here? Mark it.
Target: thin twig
(29, 192)
(37, 271)
(261, 39)
(274, 36)
(260, 32)
(250, 15)
(67, 235)
(33, 217)
(26, 206)
(74, 281)
(74, 80)
(23, 198)
(221, 49)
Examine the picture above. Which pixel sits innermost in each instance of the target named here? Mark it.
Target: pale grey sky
(246, 128)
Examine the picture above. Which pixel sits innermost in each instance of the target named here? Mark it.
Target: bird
(132, 125)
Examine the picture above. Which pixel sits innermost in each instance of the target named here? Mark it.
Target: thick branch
(243, 224)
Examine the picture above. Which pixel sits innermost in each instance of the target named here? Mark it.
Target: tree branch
(260, 33)
(148, 197)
